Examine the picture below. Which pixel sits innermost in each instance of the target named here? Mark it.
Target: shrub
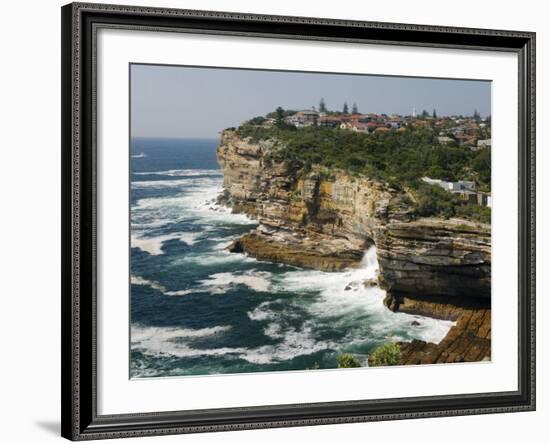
(474, 212)
(347, 360)
(433, 200)
(386, 354)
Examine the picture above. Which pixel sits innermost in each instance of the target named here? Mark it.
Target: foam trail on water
(181, 173)
(221, 283)
(170, 341)
(255, 280)
(138, 280)
(153, 245)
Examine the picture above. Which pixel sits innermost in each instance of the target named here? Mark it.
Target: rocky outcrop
(291, 248)
(434, 257)
(469, 340)
(326, 219)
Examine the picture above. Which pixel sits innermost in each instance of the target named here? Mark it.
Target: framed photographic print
(280, 221)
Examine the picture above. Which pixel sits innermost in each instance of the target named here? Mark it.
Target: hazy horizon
(192, 102)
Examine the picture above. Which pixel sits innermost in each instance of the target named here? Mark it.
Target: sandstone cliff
(326, 220)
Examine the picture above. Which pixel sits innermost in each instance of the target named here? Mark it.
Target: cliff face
(327, 223)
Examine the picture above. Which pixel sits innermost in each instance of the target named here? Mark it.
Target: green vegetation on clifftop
(398, 158)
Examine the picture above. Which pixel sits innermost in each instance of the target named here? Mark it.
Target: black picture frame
(80, 22)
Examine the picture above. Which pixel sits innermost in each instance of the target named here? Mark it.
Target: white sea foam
(262, 312)
(196, 201)
(294, 342)
(190, 181)
(274, 331)
(168, 341)
(153, 245)
(140, 333)
(221, 242)
(189, 238)
(138, 280)
(220, 283)
(182, 173)
(218, 257)
(179, 292)
(171, 341)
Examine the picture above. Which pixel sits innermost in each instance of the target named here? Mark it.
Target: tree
(476, 115)
(322, 106)
(354, 109)
(346, 109)
(424, 114)
(279, 117)
(481, 164)
(257, 120)
(434, 115)
(432, 200)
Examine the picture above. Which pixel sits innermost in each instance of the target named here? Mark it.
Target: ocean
(197, 309)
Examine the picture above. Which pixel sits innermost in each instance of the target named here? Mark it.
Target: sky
(191, 102)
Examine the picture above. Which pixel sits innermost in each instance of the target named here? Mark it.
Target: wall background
(30, 221)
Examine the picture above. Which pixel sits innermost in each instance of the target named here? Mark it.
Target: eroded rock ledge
(298, 249)
(469, 340)
(326, 222)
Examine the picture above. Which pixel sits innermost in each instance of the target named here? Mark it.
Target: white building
(461, 185)
(437, 182)
(303, 118)
(465, 189)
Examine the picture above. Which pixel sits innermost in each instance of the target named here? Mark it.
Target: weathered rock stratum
(469, 340)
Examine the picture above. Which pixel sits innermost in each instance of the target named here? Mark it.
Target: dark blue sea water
(197, 309)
